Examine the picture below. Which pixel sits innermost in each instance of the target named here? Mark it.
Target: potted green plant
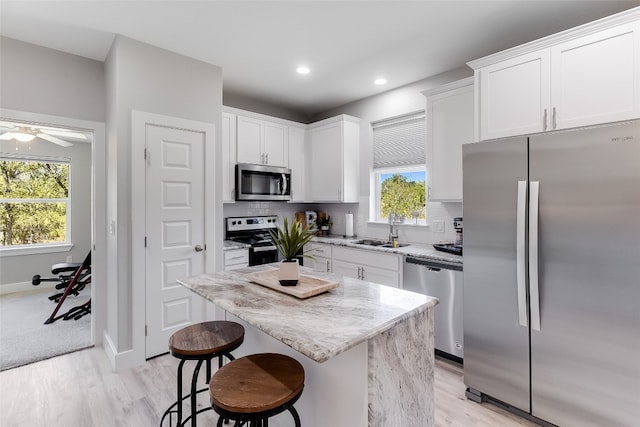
(290, 241)
(324, 224)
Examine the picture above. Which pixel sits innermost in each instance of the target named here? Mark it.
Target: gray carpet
(24, 338)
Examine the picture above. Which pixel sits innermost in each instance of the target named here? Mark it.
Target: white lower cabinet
(236, 258)
(368, 265)
(321, 260)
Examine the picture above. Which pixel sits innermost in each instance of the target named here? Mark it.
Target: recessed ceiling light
(380, 81)
(303, 70)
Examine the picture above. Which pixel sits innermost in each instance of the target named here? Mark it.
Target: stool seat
(206, 338)
(257, 383)
(200, 342)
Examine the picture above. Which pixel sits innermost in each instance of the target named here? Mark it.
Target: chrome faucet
(393, 233)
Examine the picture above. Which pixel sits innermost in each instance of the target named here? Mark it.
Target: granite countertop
(412, 250)
(319, 327)
(228, 245)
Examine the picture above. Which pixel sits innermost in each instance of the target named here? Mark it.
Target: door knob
(199, 248)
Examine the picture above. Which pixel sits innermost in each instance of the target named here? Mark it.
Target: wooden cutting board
(308, 286)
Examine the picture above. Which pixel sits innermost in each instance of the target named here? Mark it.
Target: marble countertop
(319, 327)
(228, 245)
(413, 250)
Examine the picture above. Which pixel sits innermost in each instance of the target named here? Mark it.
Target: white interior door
(175, 234)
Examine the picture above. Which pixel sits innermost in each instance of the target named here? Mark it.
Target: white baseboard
(11, 288)
(120, 361)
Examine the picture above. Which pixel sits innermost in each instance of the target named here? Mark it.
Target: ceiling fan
(26, 133)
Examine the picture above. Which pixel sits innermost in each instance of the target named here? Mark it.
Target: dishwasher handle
(434, 265)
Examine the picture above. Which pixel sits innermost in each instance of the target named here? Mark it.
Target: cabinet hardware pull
(555, 124)
(521, 252)
(544, 120)
(534, 293)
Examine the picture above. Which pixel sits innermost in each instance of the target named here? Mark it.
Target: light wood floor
(79, 389)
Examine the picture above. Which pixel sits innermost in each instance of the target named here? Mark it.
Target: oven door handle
(264, 248)
(284, 184)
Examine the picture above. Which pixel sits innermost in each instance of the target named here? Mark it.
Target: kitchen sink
(380, 243)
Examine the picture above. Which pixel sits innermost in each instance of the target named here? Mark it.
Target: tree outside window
(34, 201)
(402, 192)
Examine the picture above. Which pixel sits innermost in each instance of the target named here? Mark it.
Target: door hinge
(145, 330)
(145, 241)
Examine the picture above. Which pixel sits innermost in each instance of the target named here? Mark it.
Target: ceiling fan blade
(64, 133)
(6, 136)
(54, 139)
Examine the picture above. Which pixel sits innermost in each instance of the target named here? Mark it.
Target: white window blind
(400, 141)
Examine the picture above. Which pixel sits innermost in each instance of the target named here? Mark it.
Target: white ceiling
(346, 44)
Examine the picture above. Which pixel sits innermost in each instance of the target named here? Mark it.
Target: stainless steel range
(254, 231)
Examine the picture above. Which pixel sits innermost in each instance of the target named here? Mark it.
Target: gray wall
(242, 102)
(17, 269)
(404, 100)
(145, 78)
(47, 81)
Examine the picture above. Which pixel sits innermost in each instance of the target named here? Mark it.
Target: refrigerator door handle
(534, 293)
(521, 252)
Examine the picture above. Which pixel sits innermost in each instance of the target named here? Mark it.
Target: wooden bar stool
(254, 388)
(201, 342)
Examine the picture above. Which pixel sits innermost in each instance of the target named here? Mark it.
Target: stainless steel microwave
(262, 182)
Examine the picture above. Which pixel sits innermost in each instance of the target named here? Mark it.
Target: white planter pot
(289, 273)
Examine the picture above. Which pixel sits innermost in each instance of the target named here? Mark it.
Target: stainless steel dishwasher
(442, 280)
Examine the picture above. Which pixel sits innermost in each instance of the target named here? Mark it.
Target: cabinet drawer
(366, 257)
(318, 250)
(236, 256)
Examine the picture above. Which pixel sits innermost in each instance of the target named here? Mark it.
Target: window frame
(41, 248)
(376, 216)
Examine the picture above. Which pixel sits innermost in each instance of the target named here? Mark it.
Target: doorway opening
(48, 200)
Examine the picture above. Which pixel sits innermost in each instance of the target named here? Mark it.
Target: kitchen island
(367, 349)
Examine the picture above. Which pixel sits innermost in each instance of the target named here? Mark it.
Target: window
(399, 169)
(34, 201)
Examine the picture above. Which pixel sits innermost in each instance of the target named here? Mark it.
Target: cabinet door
(318, 263)
(325, 162)
(228, 157)
(346, 269)
(450, 118)
(380, 276)
(596, 78)
(297, 164)
(276, 144)
(514, 96)
(250, 134)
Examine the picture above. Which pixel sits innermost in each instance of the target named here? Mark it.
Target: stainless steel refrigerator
(552, 274)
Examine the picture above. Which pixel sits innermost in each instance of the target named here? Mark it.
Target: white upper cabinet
(334, 160)
(450, 123)
(262, 142)
(585, 76)
(297, 163)
(228, 157)
(596, 78)
(514, 96)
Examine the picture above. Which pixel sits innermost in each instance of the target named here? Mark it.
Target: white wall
(19, 269)
(404, 100)
(145, 78)
(288, 210)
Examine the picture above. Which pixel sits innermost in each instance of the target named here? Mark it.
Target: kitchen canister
(348, 222)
